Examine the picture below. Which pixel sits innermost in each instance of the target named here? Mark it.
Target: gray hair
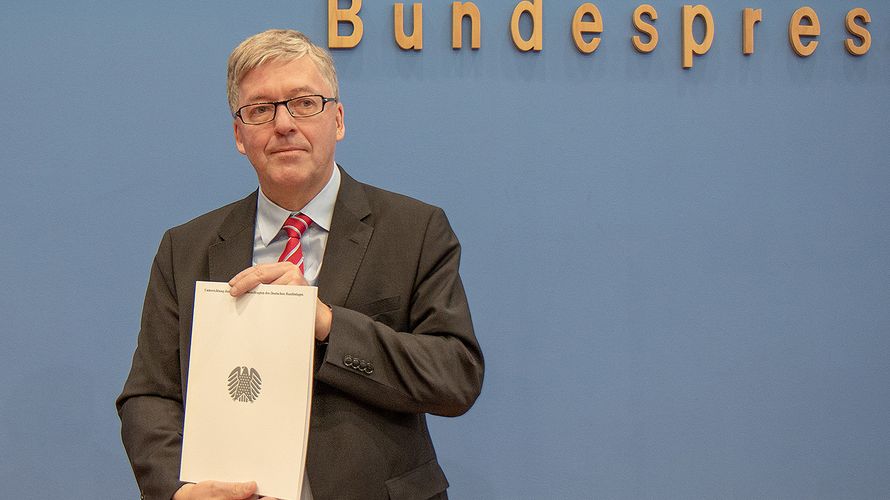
(272, 45)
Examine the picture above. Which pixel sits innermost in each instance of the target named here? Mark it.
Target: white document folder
(249, 389)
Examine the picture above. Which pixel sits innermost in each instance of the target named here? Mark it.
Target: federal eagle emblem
(244, 384)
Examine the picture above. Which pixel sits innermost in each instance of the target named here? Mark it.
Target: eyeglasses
(302, 106)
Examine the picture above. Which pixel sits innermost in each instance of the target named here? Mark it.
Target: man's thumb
(244, 490)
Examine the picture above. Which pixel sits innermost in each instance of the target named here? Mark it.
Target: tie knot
(295, 225)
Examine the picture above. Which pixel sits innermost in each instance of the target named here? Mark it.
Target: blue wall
(679, 277)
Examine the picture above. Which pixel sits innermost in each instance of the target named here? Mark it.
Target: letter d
(536, 10)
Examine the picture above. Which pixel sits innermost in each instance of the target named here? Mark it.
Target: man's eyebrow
(303, 91)
(298, 91)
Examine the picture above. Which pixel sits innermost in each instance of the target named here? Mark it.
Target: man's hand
(217, 490)
(281, 273)
(277, 273)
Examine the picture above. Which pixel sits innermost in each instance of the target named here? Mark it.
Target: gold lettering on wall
(645, 28)
(535, 8)
(580, 27)
(350, 16)
(458, 12)
(415, 40)
(858, 31)
(749, 18)
(690, 45)
(797, 30)
(696, 22)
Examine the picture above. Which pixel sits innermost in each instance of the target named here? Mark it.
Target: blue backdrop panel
(679, 277)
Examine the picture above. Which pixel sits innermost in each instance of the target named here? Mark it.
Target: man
(394, 339)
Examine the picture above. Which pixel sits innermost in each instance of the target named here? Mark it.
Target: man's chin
(290, 175)
(289, 164)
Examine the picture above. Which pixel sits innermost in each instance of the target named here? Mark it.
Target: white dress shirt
(269, 239)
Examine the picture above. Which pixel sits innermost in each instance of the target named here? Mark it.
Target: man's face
(293, 157)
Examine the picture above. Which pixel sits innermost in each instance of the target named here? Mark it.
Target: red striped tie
(294, 226)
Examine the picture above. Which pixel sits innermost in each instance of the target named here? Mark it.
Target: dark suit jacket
(401, 345)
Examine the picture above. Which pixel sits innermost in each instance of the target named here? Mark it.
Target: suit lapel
(234, 251)
(345, 250)
(347, 242)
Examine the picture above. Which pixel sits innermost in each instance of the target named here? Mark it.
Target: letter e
(797, 30)
(580, 27)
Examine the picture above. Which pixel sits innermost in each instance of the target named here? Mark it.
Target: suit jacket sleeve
(151, 404)
(213, 246)
(404, 340)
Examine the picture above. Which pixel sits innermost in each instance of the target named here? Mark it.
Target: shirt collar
(270, 217)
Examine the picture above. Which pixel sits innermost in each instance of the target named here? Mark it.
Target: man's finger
(242, 274)
(293, 277)
(216, 490)
(249, 278)
(233, 491)
(279, 273)
(241, 491)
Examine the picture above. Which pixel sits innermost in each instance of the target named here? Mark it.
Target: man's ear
(238, 142)
(341, 125)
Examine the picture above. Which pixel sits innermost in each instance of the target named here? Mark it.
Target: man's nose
(284, 122)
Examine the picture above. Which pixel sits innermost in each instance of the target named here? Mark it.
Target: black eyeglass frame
(275, 104)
